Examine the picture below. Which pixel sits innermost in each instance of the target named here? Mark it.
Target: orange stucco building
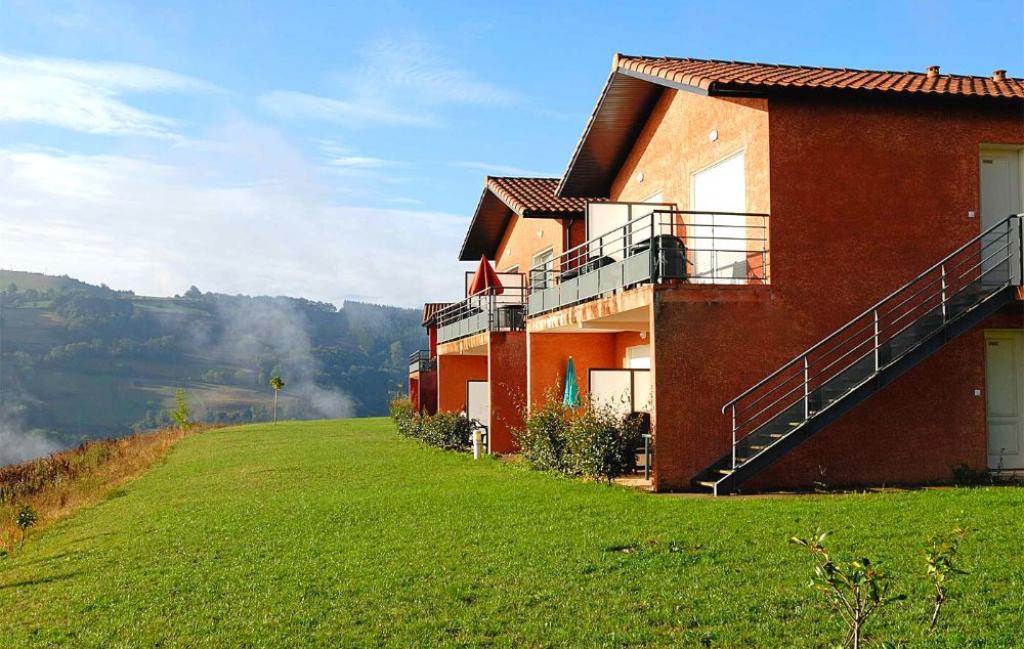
(803, 274)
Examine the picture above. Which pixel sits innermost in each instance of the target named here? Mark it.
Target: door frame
(1003, 148)
(712, 255)
(988, 335)
(1016, 154)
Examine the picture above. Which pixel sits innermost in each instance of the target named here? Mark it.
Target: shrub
(447, 430)
(589, 441)
(600, 445)
(543, 436)
(407, 421)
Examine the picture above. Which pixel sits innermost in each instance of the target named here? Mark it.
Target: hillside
(79, 361)
(342, 534)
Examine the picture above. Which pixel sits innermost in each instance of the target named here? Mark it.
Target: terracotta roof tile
(534, 196)
(714, 76)
(430, 310)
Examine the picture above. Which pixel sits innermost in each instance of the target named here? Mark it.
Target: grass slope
(341, 534)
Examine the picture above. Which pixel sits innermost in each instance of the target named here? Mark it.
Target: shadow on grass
(47, 559)
(41, 580)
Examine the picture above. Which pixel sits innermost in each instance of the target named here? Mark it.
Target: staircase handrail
(877, 305)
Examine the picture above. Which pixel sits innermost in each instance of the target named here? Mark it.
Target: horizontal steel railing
(881, 334)
(693, 246)
(420, 361)
(484, 311)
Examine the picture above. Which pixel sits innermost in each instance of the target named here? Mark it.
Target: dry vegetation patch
(62, 482)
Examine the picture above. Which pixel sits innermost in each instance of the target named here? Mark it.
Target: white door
(1004, 386)
(1000, 197)
(718, 241)
(478, 401)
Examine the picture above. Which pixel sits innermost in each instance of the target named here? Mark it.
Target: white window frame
(535, 260)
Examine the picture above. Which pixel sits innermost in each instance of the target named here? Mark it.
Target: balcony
(485, 311)
(421, 362)
(654, 246)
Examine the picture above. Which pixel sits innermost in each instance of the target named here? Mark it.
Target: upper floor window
(541, 269)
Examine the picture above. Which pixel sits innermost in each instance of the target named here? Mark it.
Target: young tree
(941, 559)
(182, 414)
(277, 384)
(25, 519)
(855, 590)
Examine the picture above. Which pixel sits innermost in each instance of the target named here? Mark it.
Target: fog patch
(265, 329)
(18, 443)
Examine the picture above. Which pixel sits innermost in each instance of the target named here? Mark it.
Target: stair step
(710, 484)
(725, 471)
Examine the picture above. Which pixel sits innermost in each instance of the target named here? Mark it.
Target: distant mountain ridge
(79, 360)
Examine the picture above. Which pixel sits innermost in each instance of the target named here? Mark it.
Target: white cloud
(410, 66)
(87, 96)
(157, 228)
(301, 106)
(395, 82)
(360, 162)
(504, 170)
(405, 200)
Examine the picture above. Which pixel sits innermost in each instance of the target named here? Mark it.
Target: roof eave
(586, 130)
(472, 224)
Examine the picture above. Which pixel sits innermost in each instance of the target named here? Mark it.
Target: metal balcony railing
(420, 361)
(659, 245)
(486, 311)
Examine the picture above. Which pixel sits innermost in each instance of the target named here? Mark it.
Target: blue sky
(336, 150)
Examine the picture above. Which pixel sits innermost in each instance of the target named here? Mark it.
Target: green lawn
(339, 534)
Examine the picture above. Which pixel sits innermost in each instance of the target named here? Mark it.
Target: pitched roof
(715, 77)
(503, 197)
(430, 310)
(534, 197)
(637, 82)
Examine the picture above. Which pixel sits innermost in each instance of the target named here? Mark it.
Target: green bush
(600, 445)
(447, 430)
(589, 441)
(406, 419)
(543, 436)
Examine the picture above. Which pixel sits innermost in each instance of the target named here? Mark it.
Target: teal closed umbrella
(571, 398)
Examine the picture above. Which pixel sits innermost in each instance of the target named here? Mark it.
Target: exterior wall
(865, 194)
(414, 391)
(507, 360)
(432, 340)
(577, 231)
(452, 373)
(423, 391)
(627, 339)
(428, 392)
(550, 352)
(674, 144)
(521, 242)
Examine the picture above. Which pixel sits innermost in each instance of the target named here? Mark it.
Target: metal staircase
(867, 353)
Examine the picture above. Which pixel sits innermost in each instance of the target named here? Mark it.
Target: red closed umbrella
(485, 278)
